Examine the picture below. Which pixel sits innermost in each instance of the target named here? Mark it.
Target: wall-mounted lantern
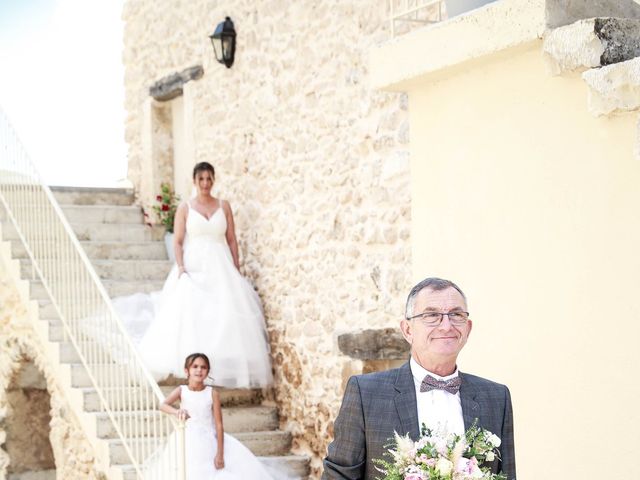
(223, 40)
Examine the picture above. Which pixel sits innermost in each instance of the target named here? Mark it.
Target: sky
(61, 85)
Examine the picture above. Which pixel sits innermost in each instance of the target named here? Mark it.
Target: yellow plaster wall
(533, 206)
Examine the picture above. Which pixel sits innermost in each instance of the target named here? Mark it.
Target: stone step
(151, 250)
(103, 214)
(97, 214)
(47, 310)
(125, 232)
(288, 466)
(33, 475)
(115, 288)
(260, 443)
(132, 270)
(68, 353)
(229, 397)
(114, 231)
(266, 443)
(235, 419)
(148, 250)
(80, 377)
(291, 467)
(93, 196)
(125, 270)
(118, 288)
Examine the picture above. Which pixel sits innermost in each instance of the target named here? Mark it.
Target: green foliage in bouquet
(168, 205)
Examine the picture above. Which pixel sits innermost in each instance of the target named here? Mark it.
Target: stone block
(591, 43)
(614, 88)
(374, 344)
(564, 12)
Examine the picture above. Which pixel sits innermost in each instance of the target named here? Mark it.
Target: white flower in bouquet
(444, 466)
(494, 440)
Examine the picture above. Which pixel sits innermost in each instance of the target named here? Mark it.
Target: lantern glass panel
(217, 47)
(226, 47)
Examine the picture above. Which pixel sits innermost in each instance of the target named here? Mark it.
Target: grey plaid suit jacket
(378, 404)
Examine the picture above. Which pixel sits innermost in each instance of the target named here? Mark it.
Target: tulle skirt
(239, 463)
(210, 309)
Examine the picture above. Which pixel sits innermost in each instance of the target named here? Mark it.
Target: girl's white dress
(201, 444)
(211, 309)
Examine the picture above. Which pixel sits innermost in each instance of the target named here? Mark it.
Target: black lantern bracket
(223, 40)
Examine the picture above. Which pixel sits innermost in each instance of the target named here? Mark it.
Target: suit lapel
(470, 407)
(405, 401)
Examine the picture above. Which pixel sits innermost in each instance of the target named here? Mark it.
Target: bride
(206, 305)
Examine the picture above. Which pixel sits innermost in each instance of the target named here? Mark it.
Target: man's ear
(407, 330)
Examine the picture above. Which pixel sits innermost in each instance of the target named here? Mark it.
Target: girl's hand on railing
(182, 414)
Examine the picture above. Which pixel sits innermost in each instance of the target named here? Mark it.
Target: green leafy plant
(167, 206)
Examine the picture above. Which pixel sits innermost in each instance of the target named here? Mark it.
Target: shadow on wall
(26, 425)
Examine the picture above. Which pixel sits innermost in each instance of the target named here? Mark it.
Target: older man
(428, 389)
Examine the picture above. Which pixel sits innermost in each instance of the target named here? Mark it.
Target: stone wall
(72, 453)
(314, 162)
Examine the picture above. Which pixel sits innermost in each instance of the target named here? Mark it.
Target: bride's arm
(179, 230)
(231, 234)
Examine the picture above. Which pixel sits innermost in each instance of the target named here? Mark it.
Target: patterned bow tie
(452, 385)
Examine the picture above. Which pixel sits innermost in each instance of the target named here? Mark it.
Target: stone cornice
(170, 87)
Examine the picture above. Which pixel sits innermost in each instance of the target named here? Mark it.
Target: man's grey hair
(432, 283)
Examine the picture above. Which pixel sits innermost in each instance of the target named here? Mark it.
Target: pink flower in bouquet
(415, 476)
(470, 467)
(441, 445)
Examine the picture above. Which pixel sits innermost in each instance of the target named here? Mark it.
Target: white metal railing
(153, 441)
(408, 13)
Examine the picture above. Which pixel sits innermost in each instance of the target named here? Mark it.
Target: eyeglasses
(433, 319)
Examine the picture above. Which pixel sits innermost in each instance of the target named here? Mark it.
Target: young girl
(210, 453)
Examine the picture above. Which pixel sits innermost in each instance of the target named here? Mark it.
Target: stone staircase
(130, 257)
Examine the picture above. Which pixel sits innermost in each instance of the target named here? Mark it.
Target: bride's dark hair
(204, 167)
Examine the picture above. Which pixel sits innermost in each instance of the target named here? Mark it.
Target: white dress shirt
(437, 409)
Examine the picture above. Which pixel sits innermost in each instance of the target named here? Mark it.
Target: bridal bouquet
(439, 455)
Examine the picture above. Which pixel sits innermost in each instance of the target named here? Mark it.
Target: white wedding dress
(211, 309)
